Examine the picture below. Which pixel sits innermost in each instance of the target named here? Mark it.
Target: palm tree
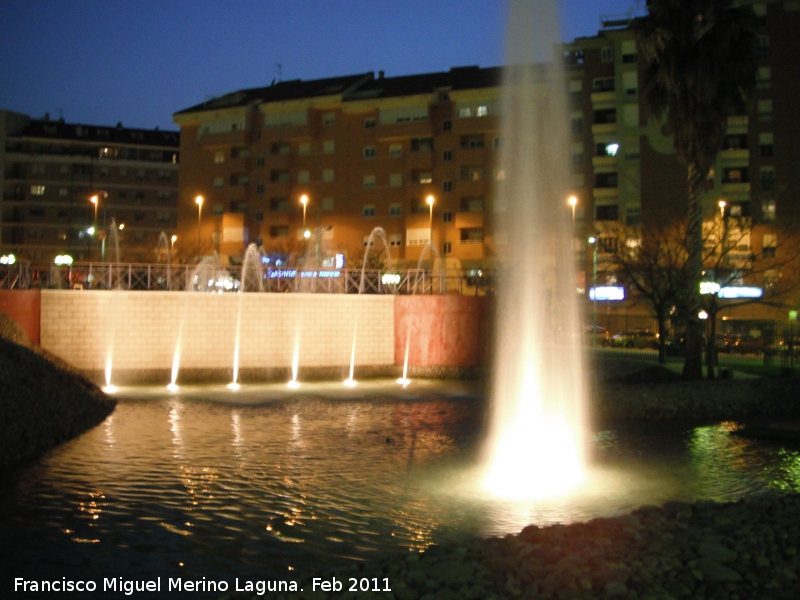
(699, 66)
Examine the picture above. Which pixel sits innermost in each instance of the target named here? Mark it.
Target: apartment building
(65, 185)
(339, 157)
(625, 169)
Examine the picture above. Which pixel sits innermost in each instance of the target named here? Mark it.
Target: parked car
(635, 338)
(595, 335)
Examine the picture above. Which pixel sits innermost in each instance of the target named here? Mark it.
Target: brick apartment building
(51, 171)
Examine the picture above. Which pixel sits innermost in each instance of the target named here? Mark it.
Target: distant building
(367, 151)
(51, 170)
(364, 151)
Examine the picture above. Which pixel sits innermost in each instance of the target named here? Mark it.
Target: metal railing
(213, 278)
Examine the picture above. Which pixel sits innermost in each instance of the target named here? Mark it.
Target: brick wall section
(140, 330)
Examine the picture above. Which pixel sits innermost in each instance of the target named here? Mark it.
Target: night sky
(137, 62)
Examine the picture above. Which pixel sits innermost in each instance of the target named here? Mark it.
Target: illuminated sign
(709, 287)
(339, 262)
(740, 292)
(63, 259)
(390, 278)
(292, 273)
(8, 259)
(609, 292)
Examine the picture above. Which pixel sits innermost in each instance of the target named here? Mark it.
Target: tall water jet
(535, 445)
(251, 277)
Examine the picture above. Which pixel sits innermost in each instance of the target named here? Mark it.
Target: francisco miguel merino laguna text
(173, 584)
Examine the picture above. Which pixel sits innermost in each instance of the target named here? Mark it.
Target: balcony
(738, 157)
(604, 162)
(599, 128)
(739, 192)
(468, 220)
(605, 195)
(230, 138)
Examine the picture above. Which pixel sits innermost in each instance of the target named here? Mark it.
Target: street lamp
(573, 201)
(430, 200)
(304, 202)
(199, 201)
(593, 241)
(96, 201)
(722, 205)
(172, 244)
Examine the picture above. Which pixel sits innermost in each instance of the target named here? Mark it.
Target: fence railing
(214, 278)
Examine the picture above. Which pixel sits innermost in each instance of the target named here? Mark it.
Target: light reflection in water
(320, 482)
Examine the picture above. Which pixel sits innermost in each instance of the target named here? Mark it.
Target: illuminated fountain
(535, 447)
(252, 278)
(380, 234)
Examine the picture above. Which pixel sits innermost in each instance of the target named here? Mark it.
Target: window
(735, 175)
(138, 216)
(369, 152)
(607, 245)
(141, 174)
(37, 190)
(763, 77)
(605, 180)
(603, 84)
(447, 247)
(328, 147)
(395, 150)
(36, 211)
(163, 195)
(447, 125)
(424, 177)
(327, 204)
(471, 173)
(762, 46)
(447, 185)
(395, 240)
(395, 210)
(447, 155)
(607, 54)
(609, 212)
(63, 191)
(280, 176)
(471, 236)
(628, 51)
(576, 124)
(122, 194)
(329, 119)
(368, 211)
(577, 159)
(422, 144)
(767, 178)
(734, 142)
(606, 115)
(447, 216)
(765, 144)
(764, 110)
(768, 210)
(104, 172)
(369, 181)
(482, 111)
(471, 141)
(472, 204)
(465, 111)
(328, 175)
(278, 204)
(395, 180)
(278, 231)
(633, 216)
(630, 83)
(497, 143)
(280, 149)
(259, 216)
(769, 243)
(304, 148)
(260, 160)
(303, 176)
(370, 123)
(219, 157)
(163, 216)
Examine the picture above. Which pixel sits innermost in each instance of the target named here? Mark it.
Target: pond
(267, 483)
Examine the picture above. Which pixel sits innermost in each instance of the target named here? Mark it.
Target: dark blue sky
(100, 62)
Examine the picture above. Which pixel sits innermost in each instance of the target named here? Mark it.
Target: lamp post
(430, 200)
(199, 201)
(573, 201)
(96, 201)
(172, 244)
(593, 242)
(304, 202)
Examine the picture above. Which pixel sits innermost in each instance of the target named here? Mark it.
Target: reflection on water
(178, 486)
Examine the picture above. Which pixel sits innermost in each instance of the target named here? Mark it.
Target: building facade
(339, 157)
(65, 185)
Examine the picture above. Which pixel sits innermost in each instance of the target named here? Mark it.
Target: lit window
(328, 147)
(218, 183)
(395, 180)
(396, 150)
(768, 210)
(303, 176)
(219, 157)
(482, 111)
(304, 148)
(426, 177)
(327, 175)
(37, 190)
(369, 181)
